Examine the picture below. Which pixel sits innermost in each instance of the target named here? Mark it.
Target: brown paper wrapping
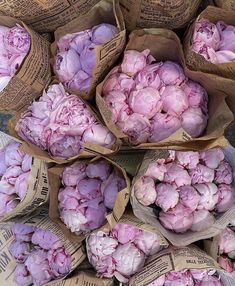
(38, 219)
(197, 62)
(226, 4)
(147, 215)
(158, 13)
(37, 187)
(107, 54)
(176, 259)
(165, 45)
(90, 150)
(33, 75)
(46, 15)
(112, 218)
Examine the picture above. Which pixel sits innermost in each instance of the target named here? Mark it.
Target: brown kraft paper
(173, 14)
(106, 55)
(38, 219)
(197, 62)
(176, 259)
(90, 149)
(33, 75)
(112, 218)
(147, 215)
(37, 188)
(165, 45)
(46, 15)
(225, 4)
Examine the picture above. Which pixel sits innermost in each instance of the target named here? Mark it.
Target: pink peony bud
(158, 282)
(205, 51)
(75, 220)
(38, 267)
(69, 198)
(59, 261)
(148, 242)
(209, 196)
(103, 33)
(194, 121)
(177, 174)
(137, 128)
(26, 163)
(22, 232)
(7, 203)
(22, 276)
(99, 170)
(45, 239)
(210, 281)
(162, 126)
(11, 174)
(174, 100)
(105, 266)
(21, 185)
(95, 216)
(212, 157)
(189, 197)
(202, 220)
(201, 174)
(188, 159)
(17, 40)
(171, 73)
(148, 77)
(74, 174)
(227, 241)
(6, 188)
(224, 57)
(15, 62)
(109, 189)
(145, 101)
(167, 196)
(20, 250)
(128, 259)
(156, 170)
(81, 81)
(13, 156)
(89, 188)
(134, 61)
(224, 173)
(200, 274)
(227, 36)
(226, 197)
(226, 264)
(179, 278)
(126, 233)
(178, 219)
(88, 59)
(145, 191)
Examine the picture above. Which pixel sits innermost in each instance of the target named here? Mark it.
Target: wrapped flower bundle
(89, 192)
(15, 168)
(62, 124)
(215, 42)
(151, 100)
(75, 60)
(15, 44)
(121, 252)
(40, 254)
(187, 189)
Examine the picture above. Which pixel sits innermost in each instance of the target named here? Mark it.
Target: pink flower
(180, 278)
(11, 174)
(3, 165)
(22, 276)
(59, 261)
(15, 62)
(148, 77)
(201, 174)
(202, 220)
(99, 169)
(105, 266)
(188, 159)
(95, 216)
(145, 101)
(7, 203)
(199, 274)
(13, 156)
(134, 61)
(210, 281)
(205, 51)
(74, 173)
(194, 121)
(145, 191)
(174, 100)
(6, 188)
(212, 157)
(209, 196)
(189, 197)
(81, 81)
(227, 36)
(224, 173)
(69, 198)
(45, 239)
(226, 264)
(177, 174)
(227, 241)
(38, 267)
(89, 188)
(22, 232)
(137, 128)
(20, 250)
(156, 170)
(128, 259)
(148, 242)
(125, 233)
(224, 57)
(226, 197)
(21, 185)
(17, 40)
(171, 73)
(88, 58)
(109, 189)
(75, 220)
(167, 196)
(103, 33)
(206, 32)
(158, 282)
(178, 219)
(162, 126)
(26, 163)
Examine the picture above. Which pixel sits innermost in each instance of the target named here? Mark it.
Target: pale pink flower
(134, 61)
(22, 276)
(167, 196)
(212, 157)
(202, 220)
(171, 73)
(188, 159)
(224, 173)
(125, 233)
(177, 174)
(226, 197)
(209, 196)
(156, 170)
(144, 190)
(189, 197)
(201, 174)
